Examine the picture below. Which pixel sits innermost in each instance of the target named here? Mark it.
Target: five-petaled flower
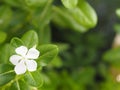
(24, 59)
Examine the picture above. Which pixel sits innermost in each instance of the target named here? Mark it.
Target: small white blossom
(24, 59)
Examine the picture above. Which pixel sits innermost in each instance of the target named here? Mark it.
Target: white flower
(24, 59)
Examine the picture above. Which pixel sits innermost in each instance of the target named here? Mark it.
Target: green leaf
(19, 85)
(118, 12)
(6, 74)
(64, 19)
(33, 79)
(3, 36)
(88, 14)
(42, 17)
(113, 56)
(15, 3)
(48, 52)
(35, 2)
(16, 42)
(81, 18)
(30, 38)
(5, 53)
(70, 3)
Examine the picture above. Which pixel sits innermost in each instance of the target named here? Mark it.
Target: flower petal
(15, 59)
(32, 53)
(22, 50)
(20, 68)
(31, 65)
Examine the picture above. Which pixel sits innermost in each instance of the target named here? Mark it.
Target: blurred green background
(86, 60)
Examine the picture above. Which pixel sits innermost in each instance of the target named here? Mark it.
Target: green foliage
(110, 84)
(4, 55)
(80, 18)
(70, 3)
(75, 81)
(35, 2)
(113, 55)
(19, 85)
(118, 12)
(28, 23)
(30, 42)
(6, 74)
(48, 52)
(31, 79)
(34, 79)
(16, 42)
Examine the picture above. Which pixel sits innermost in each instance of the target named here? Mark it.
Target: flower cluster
(24, 59)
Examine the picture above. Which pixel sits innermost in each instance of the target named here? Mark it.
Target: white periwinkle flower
(24, 59)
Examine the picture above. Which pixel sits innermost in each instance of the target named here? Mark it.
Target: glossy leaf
(30, 39)
(16, 42)
(88, 14)
(64, 19)
(19, 85)
(81, 18)
(48, 52)
(70, 3)
(33, 79)
(5, 53)
(6, 74)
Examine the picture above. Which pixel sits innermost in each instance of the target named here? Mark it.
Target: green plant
(27, 25)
